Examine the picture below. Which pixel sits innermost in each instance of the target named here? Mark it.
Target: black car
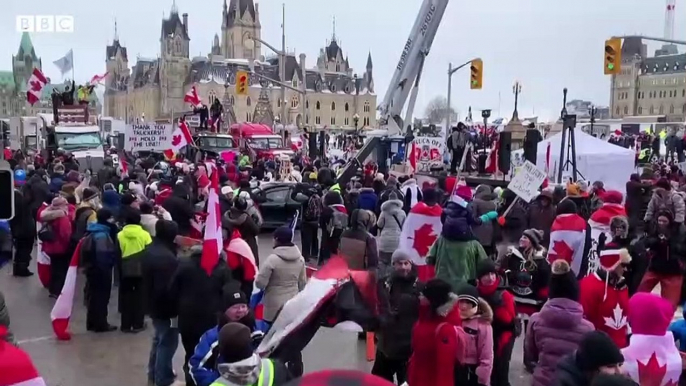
(276, 204)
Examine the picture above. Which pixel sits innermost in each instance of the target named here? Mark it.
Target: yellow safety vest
(266, 375)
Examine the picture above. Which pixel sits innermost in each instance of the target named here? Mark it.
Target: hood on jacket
(95, 227)
(367, 191)
(409, 182)
(391, 206)
(236, 217)
(133, 232)
(484, 312)
(649, 314)
(485, 193)
(111, 198)
(288, 252)
(332, 198)
(562, 313)
(662, 194)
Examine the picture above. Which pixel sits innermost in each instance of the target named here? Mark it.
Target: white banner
(430, 152)
(148, 137)
(526, 181)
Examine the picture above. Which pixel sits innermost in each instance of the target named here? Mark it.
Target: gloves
(490, 216)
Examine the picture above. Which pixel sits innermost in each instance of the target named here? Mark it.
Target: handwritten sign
(148, 136)
(526, 182)
(428, 151)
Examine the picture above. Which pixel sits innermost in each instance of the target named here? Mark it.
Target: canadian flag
(180, 138)
(192, 97)
(420, 230)
(61, 311)
(16, 367)
(212, 242)
(547, 166)
(492, 159)
(96, 79)
(124, 166)
(34, 88)
(413, 156)
(568, 240)
(42, 259)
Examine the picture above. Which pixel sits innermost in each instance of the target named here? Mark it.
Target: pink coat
(478, 347)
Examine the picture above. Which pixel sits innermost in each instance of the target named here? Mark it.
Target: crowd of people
(571, 272)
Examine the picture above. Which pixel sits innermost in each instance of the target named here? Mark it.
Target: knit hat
(469, 293)
(89, 194)
(16, 367)
(391, 181)
(339, 377)
(612, 256)
(618, 223)
(612, 380)
(283, 235)
(437, 292)
(649, 314)
(566, 206)
(597, 349)
(535, 236)
(484, 267)
(464, 192)
(235, 343)
(430, 195)
(233, 295)
(128, 199)
(613, 197)
(563, 283)
(400, 255)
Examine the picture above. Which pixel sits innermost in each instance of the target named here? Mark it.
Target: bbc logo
(45, 23)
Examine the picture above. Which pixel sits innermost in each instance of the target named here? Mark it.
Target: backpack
(313, 209)
(339, 221)
(46, 233)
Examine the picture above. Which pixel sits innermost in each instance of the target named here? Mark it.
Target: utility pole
(282, 69)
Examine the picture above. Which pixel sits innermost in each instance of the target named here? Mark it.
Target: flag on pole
(212, 242)
(419, 232)
(294, 224)
(65, 63)
(547, 166)
(61, 311)
(192, 97)
(97, 79)
(180, 138)
(34, 87)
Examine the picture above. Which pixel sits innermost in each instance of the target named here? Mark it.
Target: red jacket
(503, 304)
(61, 225)
(607, 311)
(434, 347)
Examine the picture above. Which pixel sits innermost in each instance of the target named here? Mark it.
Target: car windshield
(78, 141)
(265, 143)
(217, 142)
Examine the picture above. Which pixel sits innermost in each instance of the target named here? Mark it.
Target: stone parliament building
(155, 88)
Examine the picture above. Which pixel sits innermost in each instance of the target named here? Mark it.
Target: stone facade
(649, 86)
(154, 88)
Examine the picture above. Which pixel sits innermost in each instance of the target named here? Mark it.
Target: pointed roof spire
(116, 33)
(174, 8)
(369, 60)
(333, 36)
(26, 47)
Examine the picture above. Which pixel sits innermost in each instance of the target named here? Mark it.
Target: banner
(148, 137)
(428, 151)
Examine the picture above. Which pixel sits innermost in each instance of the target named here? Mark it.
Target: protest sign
(526, 181)
(148, 137)
(429, 151)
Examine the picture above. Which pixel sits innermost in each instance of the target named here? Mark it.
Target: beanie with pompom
(563, 283)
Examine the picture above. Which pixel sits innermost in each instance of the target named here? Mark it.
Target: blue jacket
(678, 329)
(112, 201)
(99, 249)
(367, 199)
(56, 184)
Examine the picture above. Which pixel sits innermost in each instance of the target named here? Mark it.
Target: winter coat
(606, 305)
(149, 221)
(477, 335)
(484, 202)
(159, 263)
(99, 250)
(358, 248)
(367, 200)
(541, 217)
(568, 373)
(22, 225)
(60, 220)
(412, 194)
(527, 279)
(516, 222)
(198, 298)
(281, 276)
(390, 224)
(56, 182)
(133, 240)
(503, 305)
(5, 319)
(667, 257)
(435, 345)
(666, 200)
(458, 221)
(36, 191)
(385, 195)
(553, 333)
(398, 307)
(456, 261)
(180, 208)
(244, 223)
(638, 195)
(111, 200)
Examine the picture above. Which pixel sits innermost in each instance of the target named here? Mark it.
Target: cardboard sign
(526, 182)
(148, 136)
(428, 151)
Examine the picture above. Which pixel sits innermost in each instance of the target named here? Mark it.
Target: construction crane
(404, 84)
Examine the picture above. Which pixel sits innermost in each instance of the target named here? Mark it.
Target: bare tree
(437, 110)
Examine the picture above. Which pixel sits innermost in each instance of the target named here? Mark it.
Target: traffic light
(477, 74)
(6, 191)
(241, 83)
(613, 56)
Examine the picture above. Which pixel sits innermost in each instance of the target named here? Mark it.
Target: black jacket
(180, 208)
(667, 256)
(244, 223)
(159, 265)
(23, 225)
(398, 299)
(569, 374)
(198, 298)
(36, 191)
(105, 175)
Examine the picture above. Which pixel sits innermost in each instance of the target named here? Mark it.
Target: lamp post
(451, 71)
(516, 90)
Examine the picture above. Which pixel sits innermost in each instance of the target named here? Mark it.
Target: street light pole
(282, 69)
(451, 71)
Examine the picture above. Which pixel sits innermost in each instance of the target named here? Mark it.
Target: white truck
(82, 140)
(24, 133)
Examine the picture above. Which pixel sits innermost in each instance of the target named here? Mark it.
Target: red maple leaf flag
(651, 373)
(180, 138)
(568, 233)
(192, 97)
(560, 250)
(420, 230)
(35, 86)
(652, 360)
(212, 242)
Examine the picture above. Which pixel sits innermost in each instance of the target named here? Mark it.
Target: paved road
(116, 359)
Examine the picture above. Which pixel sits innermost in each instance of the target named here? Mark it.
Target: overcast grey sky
(545, 44)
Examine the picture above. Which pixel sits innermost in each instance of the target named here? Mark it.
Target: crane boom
(406, 73)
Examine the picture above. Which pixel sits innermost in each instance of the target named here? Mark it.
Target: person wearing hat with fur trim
(558, 328)
(666, 245)
(434, 341)
(597, 354)
(398, 307)
(476, 358)
(604, 295)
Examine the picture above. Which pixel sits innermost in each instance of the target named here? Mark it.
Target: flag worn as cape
(421, 229)
(212, 242)
(42, 259)
(600, 224)
(16, 367)
(61, 311)
(568, 241)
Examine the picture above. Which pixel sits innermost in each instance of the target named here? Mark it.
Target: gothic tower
(24, 62)
(240, 21)
(368, 78)
(174, 61)
(117, 66)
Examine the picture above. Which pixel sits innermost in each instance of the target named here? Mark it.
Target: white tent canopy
(596, 160)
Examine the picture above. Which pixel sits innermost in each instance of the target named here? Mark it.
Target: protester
(111, 199)
(133, 240)
(333, 221)
(558, 328)
(476, 333)
(282, 274)
(638, 195)
(541, 214)
(411, 192)
(85, 212)
(665, 199)
(309, 228)
(358, 246)
(245, 224)
(23, 233)
(16, 367)
(515, 221)
(150, 215)
(389, 225)
(597, 354)
(485, 201)
(56, 235)
(398, 296)
(180, 208)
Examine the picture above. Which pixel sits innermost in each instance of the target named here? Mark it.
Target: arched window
(662, 109)
(278, 102)
(683, 93)
(333, 120)
(307, 119)
(617, 110)
(317, 120)
(295, 102)
(640, 110)
(318, 106)
(247, 117)
(366, 107)
(248, 102)
(652, 110)
(212, 96)
(671, 109)
(346, 106)
(346, 121)
(626, 110)
(333, 106)
(307, 104)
